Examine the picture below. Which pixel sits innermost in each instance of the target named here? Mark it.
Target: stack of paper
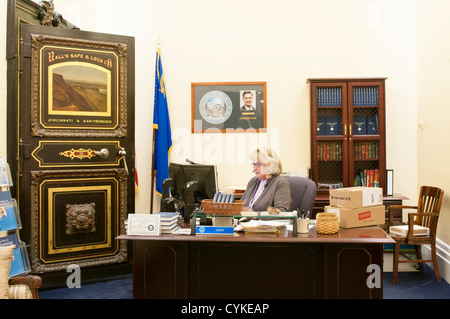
(169, 222)
(259, 226)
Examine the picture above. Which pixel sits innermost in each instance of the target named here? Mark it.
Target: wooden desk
(258, 266)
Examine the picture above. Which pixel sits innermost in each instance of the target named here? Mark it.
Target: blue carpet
(411, 285)
(120, 287)
(415, 285)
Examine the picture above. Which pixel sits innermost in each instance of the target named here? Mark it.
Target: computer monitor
(188, 185)
(191, 183)
(176, 175)
(205, 178)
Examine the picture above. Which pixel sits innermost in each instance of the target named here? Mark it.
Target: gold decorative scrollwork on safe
(80, 153)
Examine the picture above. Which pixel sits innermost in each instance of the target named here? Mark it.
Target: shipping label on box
(356, 197)
(358, 217)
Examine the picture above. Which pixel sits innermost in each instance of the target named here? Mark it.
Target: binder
(359, 125)
(321, 125)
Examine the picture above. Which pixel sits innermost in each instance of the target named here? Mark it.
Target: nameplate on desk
(214, 230)
(144, 224)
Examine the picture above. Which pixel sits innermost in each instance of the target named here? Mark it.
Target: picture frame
(229, 107)
(78, 87)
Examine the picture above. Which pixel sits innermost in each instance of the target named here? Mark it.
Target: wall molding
(443, 256)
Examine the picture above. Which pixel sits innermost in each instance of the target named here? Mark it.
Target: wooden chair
(427, 215)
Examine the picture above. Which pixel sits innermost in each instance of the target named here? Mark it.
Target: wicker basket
(327, 223)
(213, 208)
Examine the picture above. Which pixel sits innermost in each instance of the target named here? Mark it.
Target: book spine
(321, 125)
(359, 125)
(340, 96)
(319, 96)
(332, 125)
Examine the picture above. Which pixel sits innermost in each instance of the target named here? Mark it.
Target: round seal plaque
(215, 107)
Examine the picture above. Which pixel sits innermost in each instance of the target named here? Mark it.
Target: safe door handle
(122, 153)
(103, 153)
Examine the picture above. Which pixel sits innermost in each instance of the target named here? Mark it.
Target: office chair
(303, 193)
(427, 215)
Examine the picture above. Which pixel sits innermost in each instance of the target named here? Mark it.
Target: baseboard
(443, 256)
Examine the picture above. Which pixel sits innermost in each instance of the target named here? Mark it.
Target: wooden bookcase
(347, 131)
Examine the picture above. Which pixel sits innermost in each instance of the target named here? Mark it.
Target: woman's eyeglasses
(256, 164)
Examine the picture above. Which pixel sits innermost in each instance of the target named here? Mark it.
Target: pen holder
(303, 225)
(327, 223)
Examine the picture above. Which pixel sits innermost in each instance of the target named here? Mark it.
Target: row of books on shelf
(329, 125)
(362, 96)
(10, 224)
(365, 96)
(365, 150)
(329, 96)
(365, 124)
(362, 125)
(329, 150)
(367, 177)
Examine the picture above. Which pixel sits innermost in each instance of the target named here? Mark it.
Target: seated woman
(267, 188)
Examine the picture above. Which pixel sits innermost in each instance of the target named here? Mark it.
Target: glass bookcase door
(329, 142)
(365, 139)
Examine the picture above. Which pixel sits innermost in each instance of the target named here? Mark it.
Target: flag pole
(152, 172)
(153, 152)
(162, 139)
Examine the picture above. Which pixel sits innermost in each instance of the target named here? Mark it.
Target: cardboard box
(359, 217)
(356, 197)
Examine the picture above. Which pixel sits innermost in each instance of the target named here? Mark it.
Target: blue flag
(161, 126)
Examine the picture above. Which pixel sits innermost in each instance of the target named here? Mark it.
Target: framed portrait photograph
(78, 87)
(228, 107)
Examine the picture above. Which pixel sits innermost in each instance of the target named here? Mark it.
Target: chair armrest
(396, 207)
(33, 282)
(29, 280)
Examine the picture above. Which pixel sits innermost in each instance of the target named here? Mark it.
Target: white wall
(282, 43)
(433, 47)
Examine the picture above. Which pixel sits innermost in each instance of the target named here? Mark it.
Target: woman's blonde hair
(269, 158)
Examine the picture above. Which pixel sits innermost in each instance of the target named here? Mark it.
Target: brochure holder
(5, 174)
(10, 224)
